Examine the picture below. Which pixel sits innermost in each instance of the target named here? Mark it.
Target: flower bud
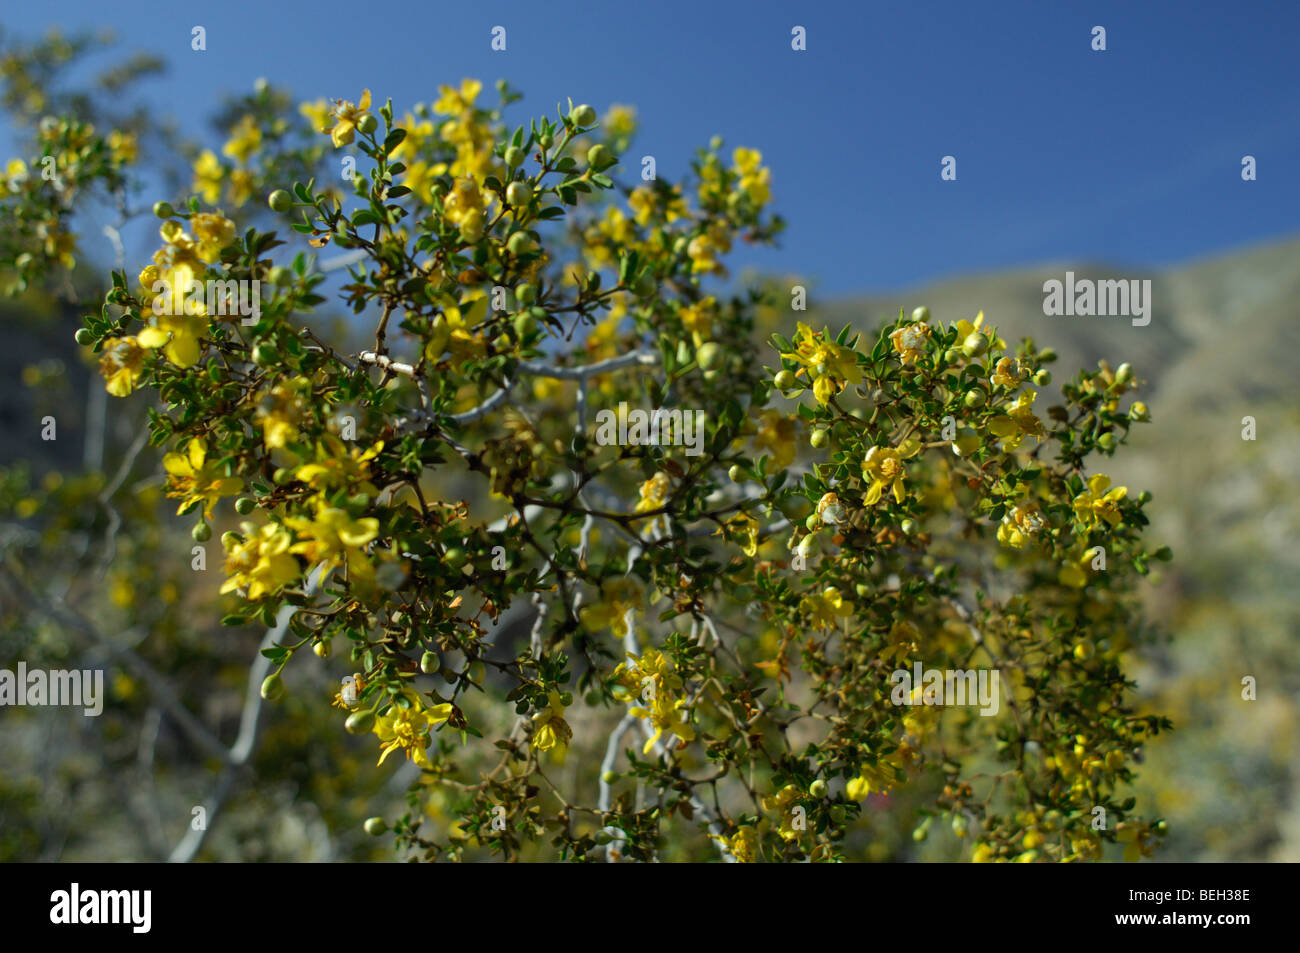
(163, 209)
(817, 788)
(785, 380)
(951, 356)
(429, 663)
(974, 399)
(375, 826)
(526, 293)
(1139, 412)
(1124, 373)
(1106, 441)
(583, 115)
(921, 314)
(708, 355)
(281, 276)
(975, 344)
(736, 473)
(272, 687)
(518, 194)
(819, 439)
(85, 336)
(202, 532)
(367, 124)
(514, 156)
(519, 243)
(230, 539)
(598, 156)
(321, 648)
(609, 777)
(280, 201)
(1043, 378)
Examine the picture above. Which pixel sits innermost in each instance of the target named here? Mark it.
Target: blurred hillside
(1221, 346)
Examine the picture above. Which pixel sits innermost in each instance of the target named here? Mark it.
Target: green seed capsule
(359, 722)
(201, 532)
(817, 788)
(85, 336)
(375, 826)
(163, 209)
(245, 505)
(367, 124)
(526, 293)
(429, 663)
(819, 439)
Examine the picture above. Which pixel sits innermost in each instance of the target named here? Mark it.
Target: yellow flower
(830, 366)
(549, 727)
(1008, 373)
(261, 561)
(783, 804)
(337, 467)
(633, 677)
(698, 318)
(317, 113)
(123, 146)
(883, 466)
(212, 232)
(776, 435)
(903, 641)
(453, 102)
(881, 776)
(346, 116)
(407, 728)
(1099, 502)
(193, 479)
(826, 607)
(654, 492)
(665, 714)
(748, 528)
(755, 180)
(910, 340)
(617, 596)
(207, 177)
(1018, 422)
(178, 335)
(1021, 524)
(121, 363)
(244, 140)
(619, 121)
(349, 694)
(242, 184)
(744, 845)
(464, 206)
(334, 537)
(281, 410)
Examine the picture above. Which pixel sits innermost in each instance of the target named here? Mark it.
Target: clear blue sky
(1131, 156)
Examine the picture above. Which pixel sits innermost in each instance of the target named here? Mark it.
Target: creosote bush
(710, 657)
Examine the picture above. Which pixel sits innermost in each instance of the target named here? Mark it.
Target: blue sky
(1130, 156)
